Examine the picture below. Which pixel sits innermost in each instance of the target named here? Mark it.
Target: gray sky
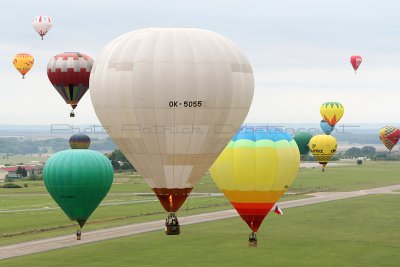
(299, 51)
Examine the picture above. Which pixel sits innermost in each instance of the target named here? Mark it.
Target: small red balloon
(355, 62)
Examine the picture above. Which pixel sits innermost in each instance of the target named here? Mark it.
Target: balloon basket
(172, 226)
(72, 114)
(253, 240)
(78, 234)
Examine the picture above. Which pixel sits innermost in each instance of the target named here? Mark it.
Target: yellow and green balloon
(255, 170)
(331, 112)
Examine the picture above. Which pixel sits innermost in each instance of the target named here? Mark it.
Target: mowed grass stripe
(361, 231)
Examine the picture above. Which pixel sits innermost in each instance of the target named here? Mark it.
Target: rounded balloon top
(23, 62)
(302, 139)
(255, 170)
(323, 147)
(355, 62)
(331, 112)
(389, 136)
(78, 180)
(42, 24)
(79, 141)
(171, 99)
(69, 73)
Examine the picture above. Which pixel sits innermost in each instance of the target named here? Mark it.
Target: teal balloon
(302, 140)
(326, 127)
(78, 180)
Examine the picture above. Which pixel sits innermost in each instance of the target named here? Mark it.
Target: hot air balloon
(42, 24)
(389, 136)
(331, 112)
(178, 94)
(254, 171)
(23, 62)
(79, 141)
(302, 140)
(355, 62)
(326, 127)
(78, 180)
(69, 73)
(323, 147)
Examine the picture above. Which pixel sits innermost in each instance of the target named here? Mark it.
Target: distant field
(20, 159)
(130, 208)
(347, 233)
(348, 177)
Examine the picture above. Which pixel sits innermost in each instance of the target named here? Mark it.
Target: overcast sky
(299, 51)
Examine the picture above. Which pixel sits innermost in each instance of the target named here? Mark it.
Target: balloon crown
(79, 141)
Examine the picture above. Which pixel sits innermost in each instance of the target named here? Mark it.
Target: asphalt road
(37, 246)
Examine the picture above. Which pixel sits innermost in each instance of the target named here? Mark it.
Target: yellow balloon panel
(256, 166)
(332, 112)
(323, 147)
(23, 62)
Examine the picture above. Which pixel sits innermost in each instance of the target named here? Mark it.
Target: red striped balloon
(69, 73)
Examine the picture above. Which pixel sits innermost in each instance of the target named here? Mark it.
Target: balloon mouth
(253, 213)
(172, 198)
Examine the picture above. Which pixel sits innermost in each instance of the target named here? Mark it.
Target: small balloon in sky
(23, 62)
(42, 24)
(355, 62)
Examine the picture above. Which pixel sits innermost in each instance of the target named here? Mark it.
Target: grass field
(51, 221)
(355, 232)
(21, 159)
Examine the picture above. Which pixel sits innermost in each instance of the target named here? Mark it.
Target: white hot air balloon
(171, 99)
(42, 24)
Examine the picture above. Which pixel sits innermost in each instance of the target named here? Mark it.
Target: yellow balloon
(331, 112)
(23, 62)
(255, 170)
(323, 147)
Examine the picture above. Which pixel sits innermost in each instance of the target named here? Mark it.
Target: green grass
(54, 222)
(348, 177)
(347, 233)
(21, 159)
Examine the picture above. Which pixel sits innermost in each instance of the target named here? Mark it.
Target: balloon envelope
(355, 61)
(323, 147)
(302, 140)
(331, 112)
(69, 73)
(42, 24)
(389, 136)
(255, 170)
(326, 128)
(79, 141)
(23, 62)
(78, 180)
(171, 99)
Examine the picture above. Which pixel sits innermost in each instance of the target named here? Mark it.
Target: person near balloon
(78, 234)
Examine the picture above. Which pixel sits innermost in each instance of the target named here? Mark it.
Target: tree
(116, 165)
(22, 171)
(127, 166)
(353, 152)
(368, 151)
(117, 156)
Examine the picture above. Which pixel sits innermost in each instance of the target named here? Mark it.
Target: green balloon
(78, 180)
(302, 140)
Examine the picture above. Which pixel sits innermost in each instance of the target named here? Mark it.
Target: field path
(30, 247)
